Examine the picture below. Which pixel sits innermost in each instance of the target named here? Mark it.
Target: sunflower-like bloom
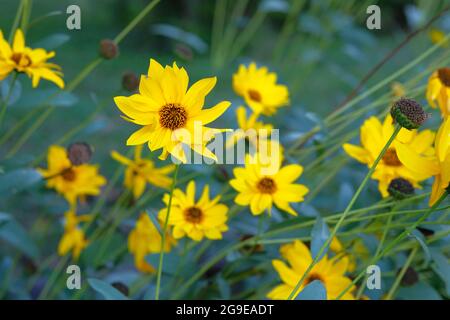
(73, 239)
(438, 90)
(261, 184)
(437, 166)
(195, 219)
(260, 90)
(374, 136)
(171, 114)
(331, 272)
(145, 239)
(71, 181)
(141, 171)
(32, 62)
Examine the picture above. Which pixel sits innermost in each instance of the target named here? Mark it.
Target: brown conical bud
(130, 81)
(108, 49)
(408, 113)
(400, 188)
(79, 153)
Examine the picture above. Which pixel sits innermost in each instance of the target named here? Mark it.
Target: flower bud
(130, 81)
(408, 113)
(79, 153)
(410, 277)
(108, 49)
(400, 188)
(121, 287)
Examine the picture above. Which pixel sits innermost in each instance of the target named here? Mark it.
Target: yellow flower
(170, 114)
(260, 185)
(438, 90)
(145, 239)
(248, 128)
(69, 180)
(398, 90)
(204, 218)
(436, 36)
(73, 238)
(374, 136)
(33, 62)
(331, 272)
(437, 166)
(260, 90)
(140, 171)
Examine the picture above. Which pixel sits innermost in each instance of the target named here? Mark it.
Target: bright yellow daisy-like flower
(374, 136)
(141, 171)
(261, 185)
(437, 166)
(195, 219)
(260, 90)
(171, 114)
(32, 62)
(331, 272)
(73, 239)
(438, 90)
(71, 181)
(145, 239)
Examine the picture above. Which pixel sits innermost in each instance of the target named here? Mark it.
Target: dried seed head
(409, 278)
(121, 287)
(400, 188)
(79, 153)
(108, 49)
(408, 113)
(130, 81)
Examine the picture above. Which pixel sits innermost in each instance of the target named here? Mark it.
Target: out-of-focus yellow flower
(73, 239)
(398, 90)
(437, 36)
(374, 136)
(331, 272)
(141, 171)
(195, 219)
(437, 166)
(171, 114)
(260, 90)
(68, 180)
(438, 90)
(32, 62)
(261, 185)
(145, 239)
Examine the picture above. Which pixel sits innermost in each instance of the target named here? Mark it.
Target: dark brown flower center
(267, 185)
(172, 116)
(444, 76)
(193, 214)
(390, 158)
(21, 59)
(254, 95)
(312, 277)
(69, 174)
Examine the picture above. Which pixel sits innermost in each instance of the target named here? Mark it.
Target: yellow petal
(141, 136)
(19, 41)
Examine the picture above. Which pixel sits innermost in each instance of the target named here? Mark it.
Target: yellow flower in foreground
(438, 166)
(145, 239)
(331, 272)
(69, 180)
(141, 171)
(261, 187)
(33, 62)
(260, 90)
(438, 90)
(436, 36)
(170, 114)
(73, 239)
(195, 219)
(374, 136)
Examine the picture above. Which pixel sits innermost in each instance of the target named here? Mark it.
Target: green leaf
(13, 233)
(15, 181)
(441, 267)
(106, 290)
(53, 41)
(319, 235)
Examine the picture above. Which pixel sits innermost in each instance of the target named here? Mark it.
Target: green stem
(394, 242)
(164, 231)
(16, 21)
(344, 215)
(8, 96)
(402, 272)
